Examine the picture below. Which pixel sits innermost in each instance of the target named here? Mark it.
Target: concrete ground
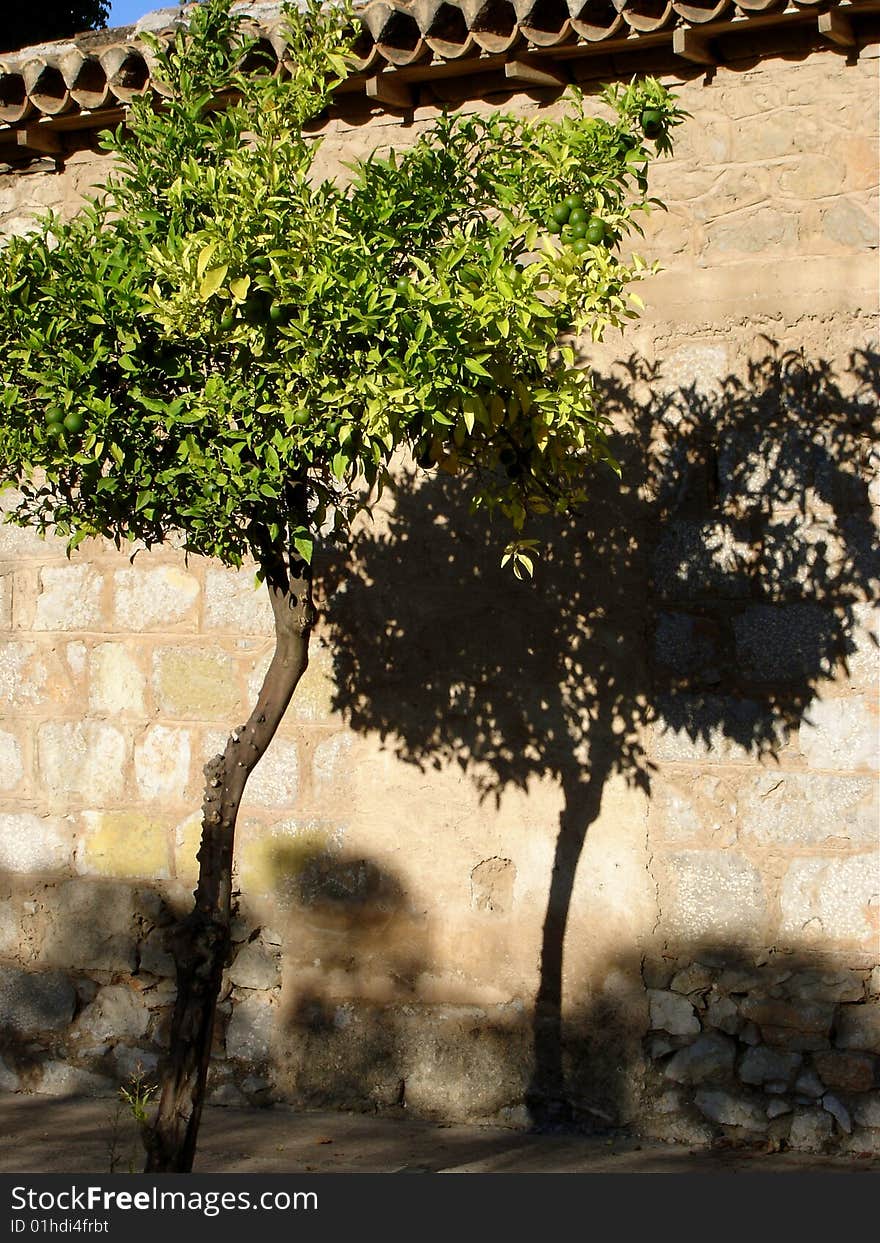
(40, 1134)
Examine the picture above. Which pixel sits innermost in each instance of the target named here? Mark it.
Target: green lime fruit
(261, 263)
(74, 423)
(651, 122)
(595, 231)
(574, 202)
(560, 213)
(54, 415)
(227, 319)
(580, 246)
(579, 216)
(301, 418)
(278, 313)
(403, 284)
(554, 226)
(579, 230)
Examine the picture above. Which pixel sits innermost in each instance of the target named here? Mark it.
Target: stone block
(187, 839)
(256, 966)
(69, 598)
(30, 843)
(91, 927)
(848, 1072)
(152, 599)
(708, 894)
(713, 729)
(32, 676)
(82, 758)
(235, 603)
(694, 560)
(830, 899)
(313, 700)
(275, 780)
(331, 762)
(154, 958)
(118, 1013)
(848, 224)
(840, 733)
(35, 1001)
(812, 1018)
(133, 1064)
(812, 176)
(825, 986)
(811, 1130)
(161, 763)
(124, 843)
(809, 1084)
(62, 1079)
(761, 1065)
(709, 1058)
(866, 1111)
(11, 767)
(786, 642)
(687, 645)
(754, 231)
(776, 1109)
(699, 365)
(729, 1110)
(197, 684)
(838, 1112)
(116, 683)
(724, 1014)
(782, 809)
(670, 1012)
(692, 979)
(249, 1034)
(858, 1027)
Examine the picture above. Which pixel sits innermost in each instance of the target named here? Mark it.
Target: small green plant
(132, 1116)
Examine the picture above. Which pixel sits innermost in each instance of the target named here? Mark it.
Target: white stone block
(147, 599)
(161, 762)
(30, 843)
(85, 759)
(117, 684)
(69, 599)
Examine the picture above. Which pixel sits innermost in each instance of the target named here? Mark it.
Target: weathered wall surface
(670, 738)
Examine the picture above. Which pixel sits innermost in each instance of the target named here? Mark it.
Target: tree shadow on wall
(351, 937)
(706, 596)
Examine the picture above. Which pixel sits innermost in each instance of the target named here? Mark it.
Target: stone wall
(667, 741)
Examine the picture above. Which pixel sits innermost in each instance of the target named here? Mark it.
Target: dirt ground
(40, 1134)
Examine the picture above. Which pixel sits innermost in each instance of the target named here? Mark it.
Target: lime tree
(222, 349)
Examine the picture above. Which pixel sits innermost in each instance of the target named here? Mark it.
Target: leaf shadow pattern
(708, 594)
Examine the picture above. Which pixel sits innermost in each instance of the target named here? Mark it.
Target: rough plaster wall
(390, 933)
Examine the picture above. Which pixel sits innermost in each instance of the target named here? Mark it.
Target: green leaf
(239, 287)
(212, 281)
(205, 256)
(304, 545)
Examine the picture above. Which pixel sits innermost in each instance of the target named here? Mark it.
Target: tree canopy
(219, 325)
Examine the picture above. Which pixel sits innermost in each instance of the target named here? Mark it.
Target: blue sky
(124, 12)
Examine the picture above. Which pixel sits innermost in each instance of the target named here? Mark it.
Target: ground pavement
(68, 1135)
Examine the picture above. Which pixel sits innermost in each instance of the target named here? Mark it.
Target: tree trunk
(201, 942)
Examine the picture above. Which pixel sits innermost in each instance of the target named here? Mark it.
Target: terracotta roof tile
(95, 73)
